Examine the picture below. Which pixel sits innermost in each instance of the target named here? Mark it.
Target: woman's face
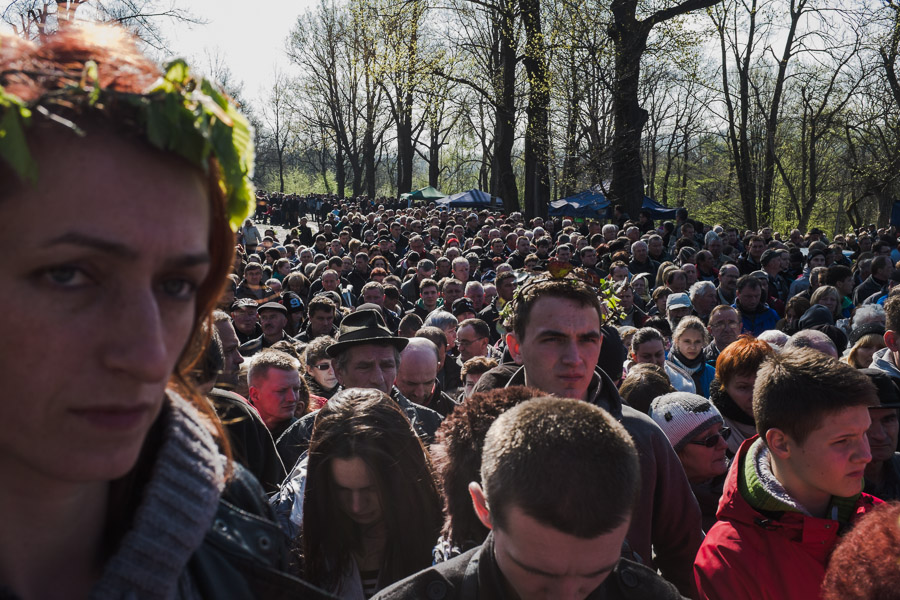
(284, 268)
(865, 352)
(690, 343)
(701, 462)
(829, 302)
(740, 388)
(357, 490)
(104, 302)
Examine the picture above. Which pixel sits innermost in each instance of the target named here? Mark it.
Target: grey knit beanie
(682, 415)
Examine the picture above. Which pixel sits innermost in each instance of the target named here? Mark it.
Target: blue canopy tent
(471, 199)
(593, 204)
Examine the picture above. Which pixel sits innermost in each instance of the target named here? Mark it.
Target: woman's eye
(179, 289)
(66, 276)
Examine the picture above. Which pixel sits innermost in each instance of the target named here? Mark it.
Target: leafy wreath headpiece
(179, 114)
(576, 277)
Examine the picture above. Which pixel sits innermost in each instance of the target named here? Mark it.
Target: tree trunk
(627, 185)
(537, 132)
(503, 178)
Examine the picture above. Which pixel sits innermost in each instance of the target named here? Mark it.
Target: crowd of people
(408, 403)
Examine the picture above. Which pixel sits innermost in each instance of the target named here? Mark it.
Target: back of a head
(812, 339)
(565, 463)
(797, 389)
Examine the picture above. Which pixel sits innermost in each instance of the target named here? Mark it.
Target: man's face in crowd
(497, 246)
(728, 277)
(882, 433)
(476, 295)
(756, 249)
(321, 322)
(416, 375)
(272, 323)
(560, 346)
(676, 314)
(373, 296)
(725, 327)
(655, 246)
(471, 380)
(371, 366)
(651, 352)
(276, 396)
(452, 293)
(640, 252)
(461, 271)
(233, 358)
(704, 303)
(589, 258)
(715, 247)
(749, 297)
(626, 297)
(543, 250)
(470, 344)
(795, 237)
(423, 272)
(253, 275)
(820, 468)
(564, 254)
(539, 561)
(817, 261)
(507, 288)
(245, 319)
(418, 246)
(845, 286)
(330, 282)
(323, 373)
(619, 274)
(523, 245)
(429, 295)
(361, 263)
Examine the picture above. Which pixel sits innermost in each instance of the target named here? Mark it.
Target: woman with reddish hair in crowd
(732, 389)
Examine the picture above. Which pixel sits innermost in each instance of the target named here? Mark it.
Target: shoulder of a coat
(637, 581)
(427, 585)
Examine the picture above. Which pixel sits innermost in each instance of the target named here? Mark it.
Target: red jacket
(748, 556)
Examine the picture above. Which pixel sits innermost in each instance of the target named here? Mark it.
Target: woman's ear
(479, 502)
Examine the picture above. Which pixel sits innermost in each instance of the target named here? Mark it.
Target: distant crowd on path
(757, 377)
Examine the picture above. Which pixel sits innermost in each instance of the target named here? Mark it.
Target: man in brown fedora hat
(366, 355)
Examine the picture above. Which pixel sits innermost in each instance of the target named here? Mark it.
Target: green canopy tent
(426, 194)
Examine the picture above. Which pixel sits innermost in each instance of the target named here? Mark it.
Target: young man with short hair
(793, 488)
(556, 334)
(546, 540)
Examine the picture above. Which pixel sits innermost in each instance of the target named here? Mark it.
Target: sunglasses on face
(712, 440)
(322, 367)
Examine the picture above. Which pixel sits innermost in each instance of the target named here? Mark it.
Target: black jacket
(476, 576)
(245, 554)
(251, 442)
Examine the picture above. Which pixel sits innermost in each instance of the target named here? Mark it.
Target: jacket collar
(602, 391)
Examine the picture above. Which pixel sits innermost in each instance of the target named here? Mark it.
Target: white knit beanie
(682, 415)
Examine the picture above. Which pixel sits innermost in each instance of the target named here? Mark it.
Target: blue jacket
(763, 319)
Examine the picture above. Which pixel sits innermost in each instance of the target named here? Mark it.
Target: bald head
(418, 370)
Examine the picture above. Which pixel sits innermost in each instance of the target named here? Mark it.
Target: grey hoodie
(883, 360)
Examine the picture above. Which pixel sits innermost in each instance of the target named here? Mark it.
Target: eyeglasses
(322, 367)
(712, 440)
(461, 342)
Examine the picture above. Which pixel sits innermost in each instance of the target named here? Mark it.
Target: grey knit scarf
(176, 510)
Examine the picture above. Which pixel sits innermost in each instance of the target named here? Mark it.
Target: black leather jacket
(244, 553)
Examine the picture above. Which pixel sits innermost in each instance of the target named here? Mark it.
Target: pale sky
(249, 37)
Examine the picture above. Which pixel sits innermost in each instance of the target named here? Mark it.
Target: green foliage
(179, 114)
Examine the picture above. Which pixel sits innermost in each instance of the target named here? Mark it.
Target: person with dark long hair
(371, 508)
